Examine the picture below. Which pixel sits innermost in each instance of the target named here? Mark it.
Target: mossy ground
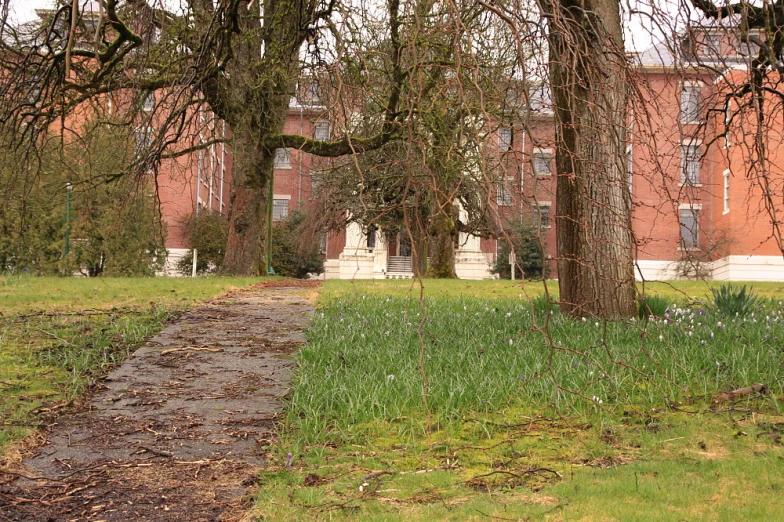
(365, 448)
(57, 335)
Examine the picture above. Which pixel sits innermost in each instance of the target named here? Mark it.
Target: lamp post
(67, 218)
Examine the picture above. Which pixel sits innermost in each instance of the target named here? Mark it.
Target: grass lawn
(57, 335)
(677, 291)
(528, 416)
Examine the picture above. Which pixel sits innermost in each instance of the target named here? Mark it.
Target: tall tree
(456, 92)
(240, 59)
(593, 211)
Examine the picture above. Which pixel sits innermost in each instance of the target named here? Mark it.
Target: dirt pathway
(178, 430)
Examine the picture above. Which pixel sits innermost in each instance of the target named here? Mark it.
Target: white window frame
(727, 118)
(319, 132)
(538, 214)
(310, 92)
(537, 153)
(280, 197)
(695, 145)
(688, 108)
(503, 191)
(148, 105)
(696, 210)
(505, 138)
(711, 45)
(630, 165)
(726, 191)
(143, 138)
(282, 158)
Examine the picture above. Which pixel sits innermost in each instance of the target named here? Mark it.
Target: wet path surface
(178, 430)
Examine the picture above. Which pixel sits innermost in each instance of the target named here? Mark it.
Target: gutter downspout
(223, 166)
(299, 158)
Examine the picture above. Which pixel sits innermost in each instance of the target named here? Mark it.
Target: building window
(542, 161)
(321, 130)
(711, 45)
(143, 141)
(503, 194)
(690, 163)
(630, 165)
(371, 237)
(282, 159)
(690, 227)
(504, 138)
(749, 49)
(726, 194)
(323, 243)
(690, 103)
(310, 93)
(542, 215)
(149, 102)
(280, 209)
(727, 120)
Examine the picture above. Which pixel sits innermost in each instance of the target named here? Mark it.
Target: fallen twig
(740, 392)
(519, 474)
(192, 349)
(159, 453)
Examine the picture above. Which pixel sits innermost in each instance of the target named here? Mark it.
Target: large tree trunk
(593, 210)
(260, 88)
(443, 232)
(248, 208)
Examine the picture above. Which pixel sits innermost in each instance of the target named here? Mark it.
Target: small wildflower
(718, 363)
(711, 336)
(511, 341)
(596, 324)
(509, 314)
(390, 378)
(718, 324)
(596, 399)
(584, 319)
(661, 337)
(702, 341)
(522, 377)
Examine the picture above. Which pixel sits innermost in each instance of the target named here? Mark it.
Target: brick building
(699, 208)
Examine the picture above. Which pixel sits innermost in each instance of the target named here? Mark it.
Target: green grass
(529, 419)
(24, 294)
(58, 335)
(361, 362)
(678, 291)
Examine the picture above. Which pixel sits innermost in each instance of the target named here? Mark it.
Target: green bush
(114, 226)
(528, 251)
(208, 232)
(295, 250)
(734, 301)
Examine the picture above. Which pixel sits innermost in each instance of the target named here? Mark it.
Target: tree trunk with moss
(443, 232)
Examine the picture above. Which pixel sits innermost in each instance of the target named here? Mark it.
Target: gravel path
(179, 430)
